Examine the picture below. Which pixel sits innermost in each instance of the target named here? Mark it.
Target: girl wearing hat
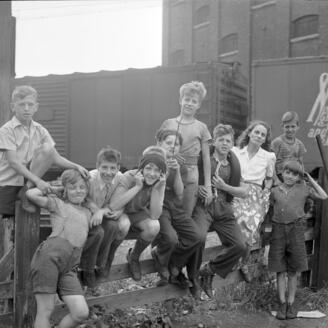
(141, 193)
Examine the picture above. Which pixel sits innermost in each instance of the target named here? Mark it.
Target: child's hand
(44, 186)
(97, 217)
(218, 182)
(202, 191)
(84, 172)
(114, 215)
(209, 197)
(179, 158)
(139, 179)
(173, 164)
(161, 182)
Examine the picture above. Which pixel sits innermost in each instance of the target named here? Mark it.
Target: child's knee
(80, 314)
(124, 226)
(152, 228)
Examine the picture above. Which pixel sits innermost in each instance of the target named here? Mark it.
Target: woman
(257, 167)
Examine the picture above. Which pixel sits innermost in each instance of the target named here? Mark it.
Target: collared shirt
(257, 168)
(285, 150)
(25, 141)
(68, 221)
(100, 192)
(193, 133)
(288, 204)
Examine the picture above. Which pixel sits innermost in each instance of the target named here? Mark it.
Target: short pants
(8, 197)
(53, 268)
(287, 248)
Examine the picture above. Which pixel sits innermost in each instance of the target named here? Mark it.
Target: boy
(287, 253)
(179, 236)
(141, 193)
(225, 172)
(27, 151)
(196, 138)
(287, 146)
(54, 264)
(109, 227)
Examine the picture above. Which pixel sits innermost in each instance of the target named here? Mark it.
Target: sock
(113, 248)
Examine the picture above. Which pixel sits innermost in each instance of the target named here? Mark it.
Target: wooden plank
(26, 241)
(6, 320)
(7, 264)
(6, 290)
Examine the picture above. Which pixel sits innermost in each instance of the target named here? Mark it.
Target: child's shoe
(245, 273)
(134, 266)
(291, 312)
(180, 280)
(281, 313)
(163, 272)
(206, 279)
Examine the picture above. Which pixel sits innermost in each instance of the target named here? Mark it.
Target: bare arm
(207, 171)
(16, 164)
(178, 184)
(318, 191)
(36, 196)
(157, 198)
(237, 191)
(122, 196)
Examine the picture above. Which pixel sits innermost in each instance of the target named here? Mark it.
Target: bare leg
(42, 161)
(45, 305)
(78, 311)
(281, 286)
(292, 287)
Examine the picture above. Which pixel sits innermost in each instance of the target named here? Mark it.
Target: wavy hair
(243, 139)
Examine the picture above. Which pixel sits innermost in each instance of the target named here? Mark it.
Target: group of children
(183, 186)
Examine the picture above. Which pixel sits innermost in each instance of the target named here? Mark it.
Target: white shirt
(257, 168)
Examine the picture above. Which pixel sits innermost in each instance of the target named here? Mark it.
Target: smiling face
(190, 103)
(151, 173)
(108, 170)
(24, 109)
(76, 192)
(170, 144)
(223, 144)
(290, 129)
(258, 135)
(290, 177)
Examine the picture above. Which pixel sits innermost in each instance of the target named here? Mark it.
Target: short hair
(193, 87)
(22, 91)
(162, 134)
(294, 166)
(223, 129)
(72, 176)
(243, 139)
(109, 154)
(289, 117)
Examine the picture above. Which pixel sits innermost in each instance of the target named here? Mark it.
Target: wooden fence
(16, 262)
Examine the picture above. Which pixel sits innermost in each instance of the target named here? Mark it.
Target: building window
(229, 43)
(176, 57)
(306, 25)
(202, 15)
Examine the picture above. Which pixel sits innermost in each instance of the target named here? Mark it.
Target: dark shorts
(138, 217)
(287, 248)
(53, 268)
(8, 196)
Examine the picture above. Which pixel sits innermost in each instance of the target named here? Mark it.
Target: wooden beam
(7, 264)
(27, 229)
(7, 290)
(6, 320)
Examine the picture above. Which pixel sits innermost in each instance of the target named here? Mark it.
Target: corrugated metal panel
(290, 84)
(53, 107)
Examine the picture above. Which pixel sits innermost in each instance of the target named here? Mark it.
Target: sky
(62, 37)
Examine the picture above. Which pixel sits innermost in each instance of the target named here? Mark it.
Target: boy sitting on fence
(178, 237)
(141, 193)
(287, 246)
(55, 262)
(27, 151)
(109, 227)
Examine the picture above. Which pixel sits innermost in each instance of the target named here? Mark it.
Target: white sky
(62, 37)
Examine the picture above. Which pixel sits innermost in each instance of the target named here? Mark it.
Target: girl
(53, 267)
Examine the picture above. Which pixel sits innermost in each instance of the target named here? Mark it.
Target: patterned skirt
(250, 212)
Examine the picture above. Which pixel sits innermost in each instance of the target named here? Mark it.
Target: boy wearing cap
(287, 246)
(141, 193)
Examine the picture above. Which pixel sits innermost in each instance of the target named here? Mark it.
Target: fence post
(26, 241)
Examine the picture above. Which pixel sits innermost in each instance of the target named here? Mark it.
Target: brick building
(243, 30)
